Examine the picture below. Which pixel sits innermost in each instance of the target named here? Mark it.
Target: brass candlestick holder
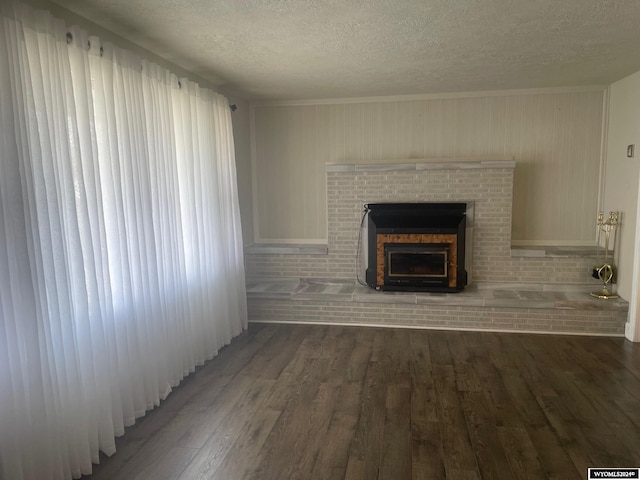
(605, 270)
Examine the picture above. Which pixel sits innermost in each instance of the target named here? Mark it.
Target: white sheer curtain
(121, 264)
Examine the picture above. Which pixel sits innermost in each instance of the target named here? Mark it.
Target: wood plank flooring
(327, 402)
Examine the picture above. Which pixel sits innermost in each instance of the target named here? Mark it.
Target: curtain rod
(69, 36)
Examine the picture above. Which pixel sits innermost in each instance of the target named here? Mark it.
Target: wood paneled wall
(555, 137)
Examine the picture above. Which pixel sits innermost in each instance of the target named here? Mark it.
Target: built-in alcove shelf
(557, 251)
(516, 250)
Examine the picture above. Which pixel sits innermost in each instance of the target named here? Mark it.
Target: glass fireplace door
(408, 263)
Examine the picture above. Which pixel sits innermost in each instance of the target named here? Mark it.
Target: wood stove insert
(416, 246)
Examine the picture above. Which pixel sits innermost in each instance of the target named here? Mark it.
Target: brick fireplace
(520, 290)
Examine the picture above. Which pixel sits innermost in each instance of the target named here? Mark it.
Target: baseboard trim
(427, 327)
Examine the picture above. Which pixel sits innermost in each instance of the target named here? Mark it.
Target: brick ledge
(529, 296)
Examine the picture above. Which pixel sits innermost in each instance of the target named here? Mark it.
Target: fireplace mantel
(424, 164)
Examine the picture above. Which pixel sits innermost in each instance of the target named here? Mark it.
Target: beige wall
(554, 135)
(242, 141)
(622, 174)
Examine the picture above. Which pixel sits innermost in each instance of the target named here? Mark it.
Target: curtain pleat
(121, 264)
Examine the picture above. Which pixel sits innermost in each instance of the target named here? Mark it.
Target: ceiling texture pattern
(308, 49)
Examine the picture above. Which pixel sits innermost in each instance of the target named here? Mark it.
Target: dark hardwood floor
(325, 402)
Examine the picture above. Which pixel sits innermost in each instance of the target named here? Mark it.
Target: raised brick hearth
(536, 292)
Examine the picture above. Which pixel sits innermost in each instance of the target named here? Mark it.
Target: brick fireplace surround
(534, 289)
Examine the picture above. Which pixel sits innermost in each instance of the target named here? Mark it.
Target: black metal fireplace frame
(439, 218)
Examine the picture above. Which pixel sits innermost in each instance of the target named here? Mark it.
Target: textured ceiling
(293, 49)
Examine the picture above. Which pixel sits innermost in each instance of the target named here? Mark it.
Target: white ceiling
(294, 49)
